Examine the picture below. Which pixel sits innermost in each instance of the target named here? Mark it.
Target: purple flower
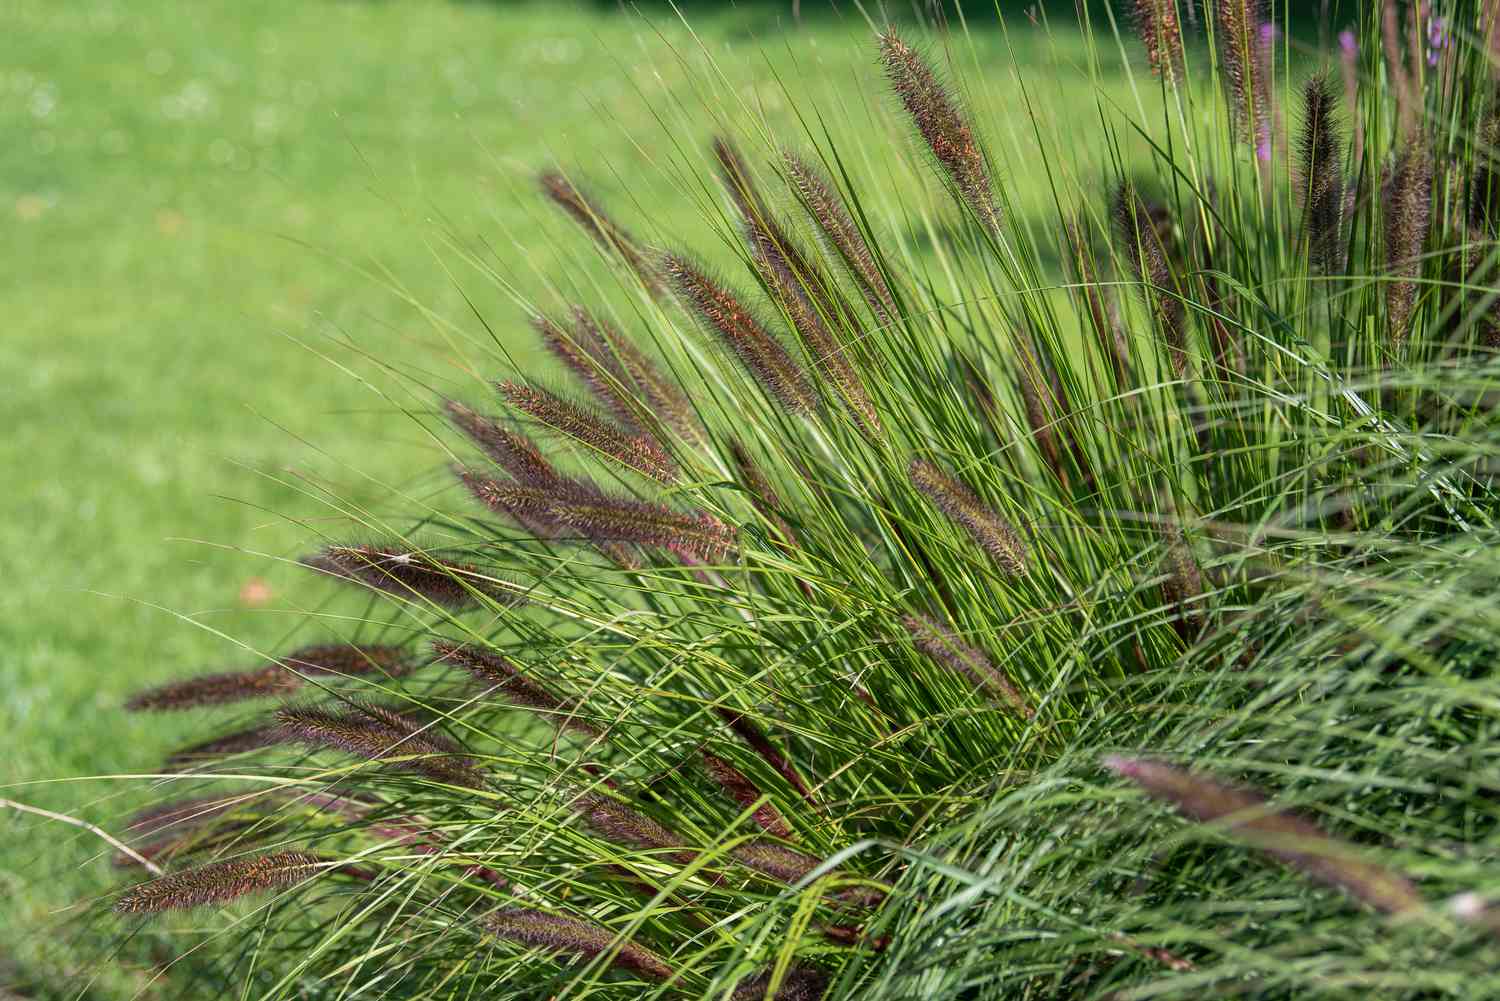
(1347, 44)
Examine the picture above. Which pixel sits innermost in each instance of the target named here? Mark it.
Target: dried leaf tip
(962, 506)
(377, 734)
(409, 574)
(942, 645)
(218, 883)
(762, 355)
(610, 236)
(1320, 156)
(559, 933)
(942, 126)
(1246, 815)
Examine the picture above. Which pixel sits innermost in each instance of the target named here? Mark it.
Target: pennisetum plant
(960, 600)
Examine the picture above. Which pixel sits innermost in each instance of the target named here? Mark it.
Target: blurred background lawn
(213, 213)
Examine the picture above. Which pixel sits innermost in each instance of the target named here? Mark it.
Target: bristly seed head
(512, 452)
(584, 352)
(827, 209)
(942, 126)
(580, 938)
(800, 983)
(1320, 154)
(943, 646)
(1239, 40)
(639, 452)
(1408, 209)
(746, 793)
(1245, 815)
(377, 734)
(962, 506)
(218, 883)
(1142, 242)
(1156, 26)
(755, 347)
(610, 236)
(495, 671)
(410, 574)
(274, 678)
(250, 739)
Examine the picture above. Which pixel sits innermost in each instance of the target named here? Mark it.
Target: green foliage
(1189, 465)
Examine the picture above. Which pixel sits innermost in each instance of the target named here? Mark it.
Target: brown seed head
(963, 507)
(273, 678)
(801, 983)
(943, 127)
(1142, 242)
(746, 793)
(942, 646)
(663, 396)
(410, 574)
(495, 671)
(250, 739)
(1408, 209)
(1156, 25)
(639, 452)
(218, 883)
(512, 452)
(1239, 39)
(761, 353)
(1320, 155)
(1246, 816)
(580, 938)
(610, 236)
(377, 734)
(827, 209)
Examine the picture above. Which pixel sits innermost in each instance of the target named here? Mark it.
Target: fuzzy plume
(377, 734)
(639, 452)
(756, 348)
(558, 933)
(663, 396)
(963, 507)
(1484, 184)
(1182, 582)
(750, 732)
(800, 983)
(622, 825)
(277, 677)
(1156, 25)
(499, 497)
(409, 574)
(494, 671)
(942, 646)
(1239, 38)
(1103, 316)
(605, 520)
(738, 786)
(610, 236)
(218, 883)
(1245, 815)
(828, 211)
(1143, 244)
(585, 353)
(942, 125)
(1408, 191)
(512, 452)
(1320, 156)
(816, 310)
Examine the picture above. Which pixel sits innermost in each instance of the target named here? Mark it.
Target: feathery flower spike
(963, 507)
(1156, 25)
(737, 785)
(756, 348)
(1244, 814)
(250, 739)
(1408, 210)
(751, 733)
(580, 938)
(377, 734)
(583, 352)
(943, 646)
(274, 678)
(1322, 175)
(942, 126)
(604, 230)
(799, 984)
(497, 672)
(409, 574)
(827, 209)
(1182, 586)
(639, 452)
(512, 452)
(218, 883)
(1239, 37)
(663, 396)
(497, 496)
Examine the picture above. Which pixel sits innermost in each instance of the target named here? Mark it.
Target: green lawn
(193, 198)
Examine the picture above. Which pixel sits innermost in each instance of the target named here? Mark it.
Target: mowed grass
(217, 217)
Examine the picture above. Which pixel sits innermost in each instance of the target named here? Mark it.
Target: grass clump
(850, 620)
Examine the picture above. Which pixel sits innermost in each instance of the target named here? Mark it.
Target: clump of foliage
(1100, 605)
